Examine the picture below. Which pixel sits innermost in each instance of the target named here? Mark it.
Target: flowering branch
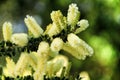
(39, 50)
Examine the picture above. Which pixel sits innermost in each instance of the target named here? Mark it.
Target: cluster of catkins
(47, 59)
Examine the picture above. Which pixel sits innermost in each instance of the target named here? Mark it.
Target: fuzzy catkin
(73, 15)
(33, 26)
(7, 31)
(20, 39)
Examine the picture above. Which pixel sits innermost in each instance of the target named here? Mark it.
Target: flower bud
(73, 15)
(20, 39)
(33, 26)
(83, 25)
(77, 47)
(7, 31)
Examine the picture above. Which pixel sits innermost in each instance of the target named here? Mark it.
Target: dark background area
(103, 33)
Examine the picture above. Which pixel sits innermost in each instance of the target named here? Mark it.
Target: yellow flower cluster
(40, 61)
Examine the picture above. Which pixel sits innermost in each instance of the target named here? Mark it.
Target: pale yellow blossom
(59, 23)
(56, 45)
(20, 39)
(73, 15)
(58, 19)
(55, 66)
(7, 31)
(65, 64)
(33, 26)
(9, 69)
(22, 68)
(77, 47)
(83, 25)
(43, 54)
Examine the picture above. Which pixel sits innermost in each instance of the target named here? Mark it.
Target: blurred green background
(103, 33)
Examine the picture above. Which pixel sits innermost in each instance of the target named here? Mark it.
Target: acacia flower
(33, 60)
(65, 64)
(9, 69)
(73, 15)
(20, 39)
(33, 26)
(7, 31)
(55, 66)
(22, 68)
(77, 47)
(83, 25)
(56, 45)
(58, 18)
(59, 23)
(43, 53)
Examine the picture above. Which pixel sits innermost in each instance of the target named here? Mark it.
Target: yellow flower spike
(58, 18)
(58, 63)
(33, 26)
(20, 39)
(77, 47)
(55, 65)
(59, 23)
(33, 59)
(75, 41)
(9, 69)
(83, 25)
(21, 67)
(65, 64)
(73, 51)
(73, 15)
(56, 46)
(7, 31)
(43, 53)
